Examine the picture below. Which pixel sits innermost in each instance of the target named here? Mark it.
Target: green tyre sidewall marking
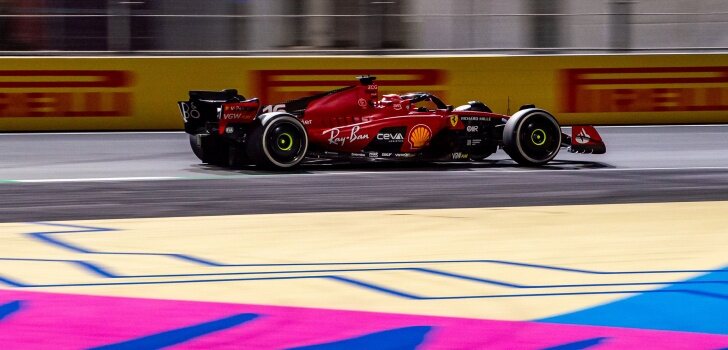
(543, 135)
(290, 141)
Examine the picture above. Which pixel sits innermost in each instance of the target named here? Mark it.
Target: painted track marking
(419, 261)
(355, 173)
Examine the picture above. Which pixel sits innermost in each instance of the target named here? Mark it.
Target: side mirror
(450, 108)
(366, 79)
(527, 107)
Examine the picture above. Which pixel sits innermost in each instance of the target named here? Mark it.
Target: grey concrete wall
(184, 33)
(438, 24)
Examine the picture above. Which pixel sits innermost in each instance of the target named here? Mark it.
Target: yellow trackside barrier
(139, 93)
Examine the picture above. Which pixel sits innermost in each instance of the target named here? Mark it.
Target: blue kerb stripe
(96, 269)
(180, 335)
(375, 287)
(469, 278)
(407, 338)
(701, 307)
(10, 308)
(537, 286)
(45, 237)
(83, 264)
(582, 344)
(12, 283)
(206, 262)
(196, 260)
(78, 228)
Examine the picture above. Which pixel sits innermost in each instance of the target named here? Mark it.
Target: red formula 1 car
(353, 123)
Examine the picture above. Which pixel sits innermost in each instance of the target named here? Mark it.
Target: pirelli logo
(65, 93)
(282, 85)
(655, 89)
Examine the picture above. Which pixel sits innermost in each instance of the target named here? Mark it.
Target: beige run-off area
(378, 254)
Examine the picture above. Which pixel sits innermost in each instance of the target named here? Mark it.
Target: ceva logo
(390, 137)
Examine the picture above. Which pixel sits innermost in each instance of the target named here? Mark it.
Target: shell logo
(419, 135)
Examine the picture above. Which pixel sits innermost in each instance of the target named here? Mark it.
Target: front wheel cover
(532, 137)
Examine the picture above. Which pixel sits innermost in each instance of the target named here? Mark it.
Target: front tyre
(280, 142)
(532, 137)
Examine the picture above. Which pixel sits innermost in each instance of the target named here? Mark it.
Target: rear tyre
(280, 143)
(532, 137)
(237, 156)
(209, 149)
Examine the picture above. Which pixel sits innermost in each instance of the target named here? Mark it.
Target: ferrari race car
(353, 123)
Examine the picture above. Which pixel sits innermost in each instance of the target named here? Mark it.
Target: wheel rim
(539, 138)
(285, 142)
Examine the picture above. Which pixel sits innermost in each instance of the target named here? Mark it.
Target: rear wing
(212, 111)
(584, 139)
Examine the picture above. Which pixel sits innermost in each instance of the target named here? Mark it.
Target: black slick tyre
(280, 142)
(209, 149)
(532, 137)
(237, 157)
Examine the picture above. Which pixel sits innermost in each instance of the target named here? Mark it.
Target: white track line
(602, 169)
(101, 179)
(349, 173)
(526, 170)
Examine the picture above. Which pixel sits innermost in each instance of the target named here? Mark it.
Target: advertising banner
(140, 93)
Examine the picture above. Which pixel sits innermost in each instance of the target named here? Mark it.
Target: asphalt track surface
(347, 272)
(46, 177)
